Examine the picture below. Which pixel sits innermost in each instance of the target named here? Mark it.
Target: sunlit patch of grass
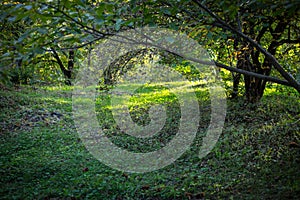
(276, 89)
(253, 158)
(56, 100)
(138, 95)
(57, 88)
(138, 104)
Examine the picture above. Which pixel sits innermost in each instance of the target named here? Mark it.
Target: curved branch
(87, 28)
(241, 71)
(268, 55)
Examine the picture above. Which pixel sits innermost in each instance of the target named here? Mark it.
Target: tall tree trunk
(66, 71)
(70, 67)
(253, 85)
(236, 80)
(235, 87)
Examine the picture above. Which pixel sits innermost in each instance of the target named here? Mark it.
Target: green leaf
(99, 21)
(22, 37)
(28, 7)
(89, 16)
(12, 19)
(42, 30)
(100, 11)
(166, 11)
(38, 50)
(109, 7)
(118, 24)
(209, 35)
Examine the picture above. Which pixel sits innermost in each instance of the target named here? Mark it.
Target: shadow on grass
(256, 156)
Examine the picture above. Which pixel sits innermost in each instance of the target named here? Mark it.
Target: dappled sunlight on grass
(276, 89)
(42, 155)
(56, 100)
(143, 94)
(57, 88)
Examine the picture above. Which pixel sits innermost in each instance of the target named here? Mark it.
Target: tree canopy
(256, 41)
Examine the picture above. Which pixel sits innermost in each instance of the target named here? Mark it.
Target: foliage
(234, 33)
(245, 34)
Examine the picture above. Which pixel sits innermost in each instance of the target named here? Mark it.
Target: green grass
(42, 157)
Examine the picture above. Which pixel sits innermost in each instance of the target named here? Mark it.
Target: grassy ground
(42, 157)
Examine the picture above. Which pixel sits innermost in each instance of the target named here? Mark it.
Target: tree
(257, 27)
(57, 27)
(255, 33)
(245, 37)
(11, 50)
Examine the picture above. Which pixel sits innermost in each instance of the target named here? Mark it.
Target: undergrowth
(41, 156)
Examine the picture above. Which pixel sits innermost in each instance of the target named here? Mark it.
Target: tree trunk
(70, 67)
(236, 80)
(66, 71)
(254, 87)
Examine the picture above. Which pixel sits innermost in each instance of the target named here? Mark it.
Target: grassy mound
(42, 157)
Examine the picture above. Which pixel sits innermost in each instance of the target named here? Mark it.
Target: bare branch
(241, 71)
(268, 55)
(289, 41)
(88, 29)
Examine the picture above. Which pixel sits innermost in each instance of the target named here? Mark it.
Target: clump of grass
(255, 157)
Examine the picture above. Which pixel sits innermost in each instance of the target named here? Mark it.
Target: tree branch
(289, 41)
(241, 71)
(59, 62)
(233, 69)
(268, 55)
(86, 28)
